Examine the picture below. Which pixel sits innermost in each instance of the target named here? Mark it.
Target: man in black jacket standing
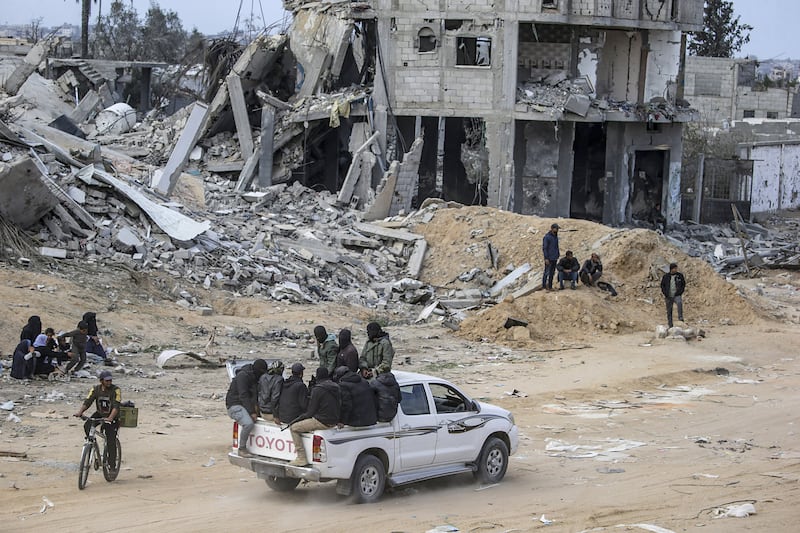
(242, 401)
(322, 413)
(672, 286)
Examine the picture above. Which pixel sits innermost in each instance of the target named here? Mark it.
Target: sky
(774, 21)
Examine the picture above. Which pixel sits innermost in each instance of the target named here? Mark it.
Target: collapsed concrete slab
(24, 197)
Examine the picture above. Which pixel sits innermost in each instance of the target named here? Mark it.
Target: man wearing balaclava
(377, 350)
(242, 401)
(327, 349)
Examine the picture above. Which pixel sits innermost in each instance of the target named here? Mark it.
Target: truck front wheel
(282, 484)
(493, 461)
(369, 479)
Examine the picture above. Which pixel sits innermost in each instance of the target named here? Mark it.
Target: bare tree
(33, 31)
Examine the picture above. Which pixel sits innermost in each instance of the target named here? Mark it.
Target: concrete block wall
(405, 44)
(469, 88)
(772, 100)
(417, 86)
(548, 56)
(593, 8)
(776, 177)
(660, 10)
(663, 63)
(481, 6)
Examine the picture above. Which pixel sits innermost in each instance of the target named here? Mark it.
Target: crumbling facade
(555, 108)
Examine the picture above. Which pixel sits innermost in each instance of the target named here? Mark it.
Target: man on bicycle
(106, 397)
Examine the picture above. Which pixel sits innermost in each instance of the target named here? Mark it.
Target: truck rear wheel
(282, 484)
(369, 479)
(493, 461)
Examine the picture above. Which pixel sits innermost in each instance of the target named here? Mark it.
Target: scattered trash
(7, 406)
(13, 418)
(607, 470)
(610, 449)
(737, 511)
(445, 527)
(211, 462)
(46, 505)
(516, 393)
(545, 521)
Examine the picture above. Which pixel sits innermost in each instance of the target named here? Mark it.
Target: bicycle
(90, 456)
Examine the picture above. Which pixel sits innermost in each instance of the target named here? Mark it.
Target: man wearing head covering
(327, 349)
(32, 329)
(359, 404)
(348, 355)
(294, 396)
(672, 286)
(322, 413)
(93, 343)
(270, 385)
(387, 392)
(378, 349)
(242, 401)
(106, 397)
(550, 252)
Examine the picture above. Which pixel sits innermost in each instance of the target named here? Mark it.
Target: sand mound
(458, 240)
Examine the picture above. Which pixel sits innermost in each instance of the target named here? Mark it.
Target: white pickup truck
(438, 431)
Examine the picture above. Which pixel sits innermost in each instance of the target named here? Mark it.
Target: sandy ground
(616, 428)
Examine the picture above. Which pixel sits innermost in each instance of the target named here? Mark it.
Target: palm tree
(86, 10)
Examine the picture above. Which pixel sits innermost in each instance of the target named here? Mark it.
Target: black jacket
(568, 264)
(680, 284)
(91, 321)
(294, 399)
(325, 403)
(359, 405)
(32, 329)
(387, 391)
(243, 389)
(270, 386)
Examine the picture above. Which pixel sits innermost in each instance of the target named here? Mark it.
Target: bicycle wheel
(111, 473)
(86, 465)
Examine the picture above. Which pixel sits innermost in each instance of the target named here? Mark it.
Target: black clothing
(269, 391)
(22, 368)
(359, 404)
(32, 329)
(348, 354)
(387, 392)
(325, 403)
(91, 321)
(294, 399)
(680, 284)
(105, 400)
(568, 264)
(243, 390)
(110, 431)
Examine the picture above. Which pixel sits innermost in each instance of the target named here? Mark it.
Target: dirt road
(616, 429)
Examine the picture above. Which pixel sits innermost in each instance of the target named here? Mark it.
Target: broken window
(749, 113)
(772, 114)
(453, 24)
(474, 51)
(426, 40)
(550, 3)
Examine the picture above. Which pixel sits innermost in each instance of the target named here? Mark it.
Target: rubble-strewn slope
(458, 240)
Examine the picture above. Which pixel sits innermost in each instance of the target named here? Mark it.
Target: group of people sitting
(345, 390)
(42, 353)
(570, 270)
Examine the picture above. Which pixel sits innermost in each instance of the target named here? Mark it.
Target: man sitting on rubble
(591, 270)
(568, 268)
(323, 412)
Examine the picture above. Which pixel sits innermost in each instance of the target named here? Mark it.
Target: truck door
(458, 422)
(418, 430)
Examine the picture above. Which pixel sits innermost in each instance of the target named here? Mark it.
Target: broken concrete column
(267, 135)
(24, 197)
(240, 115)
(407, 179)
(36, 55)
(85, 108)
(180, 154)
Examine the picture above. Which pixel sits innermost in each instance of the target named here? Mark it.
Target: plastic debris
(545, 521)
(211, 462)
(740, 511)
(7, 406)
(13, 418)
(46, 505)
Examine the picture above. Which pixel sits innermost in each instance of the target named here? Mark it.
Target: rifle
(298, 419)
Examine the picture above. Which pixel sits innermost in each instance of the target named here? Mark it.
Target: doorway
(647, 185)
(589, 168)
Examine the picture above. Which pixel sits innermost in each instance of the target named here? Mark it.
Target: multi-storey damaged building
(546, 107)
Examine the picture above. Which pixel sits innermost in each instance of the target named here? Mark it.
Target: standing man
(77, 350)
(242, 401)
(106, 397)
(322, 413)
(377, 350)
(327, 349)
(672, 286)
(551, 253)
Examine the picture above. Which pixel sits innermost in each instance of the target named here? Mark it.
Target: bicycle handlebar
(95, 419)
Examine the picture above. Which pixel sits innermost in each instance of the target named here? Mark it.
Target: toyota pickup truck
(438, 431)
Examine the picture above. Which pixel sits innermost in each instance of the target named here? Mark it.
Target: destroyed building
(554, 108)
